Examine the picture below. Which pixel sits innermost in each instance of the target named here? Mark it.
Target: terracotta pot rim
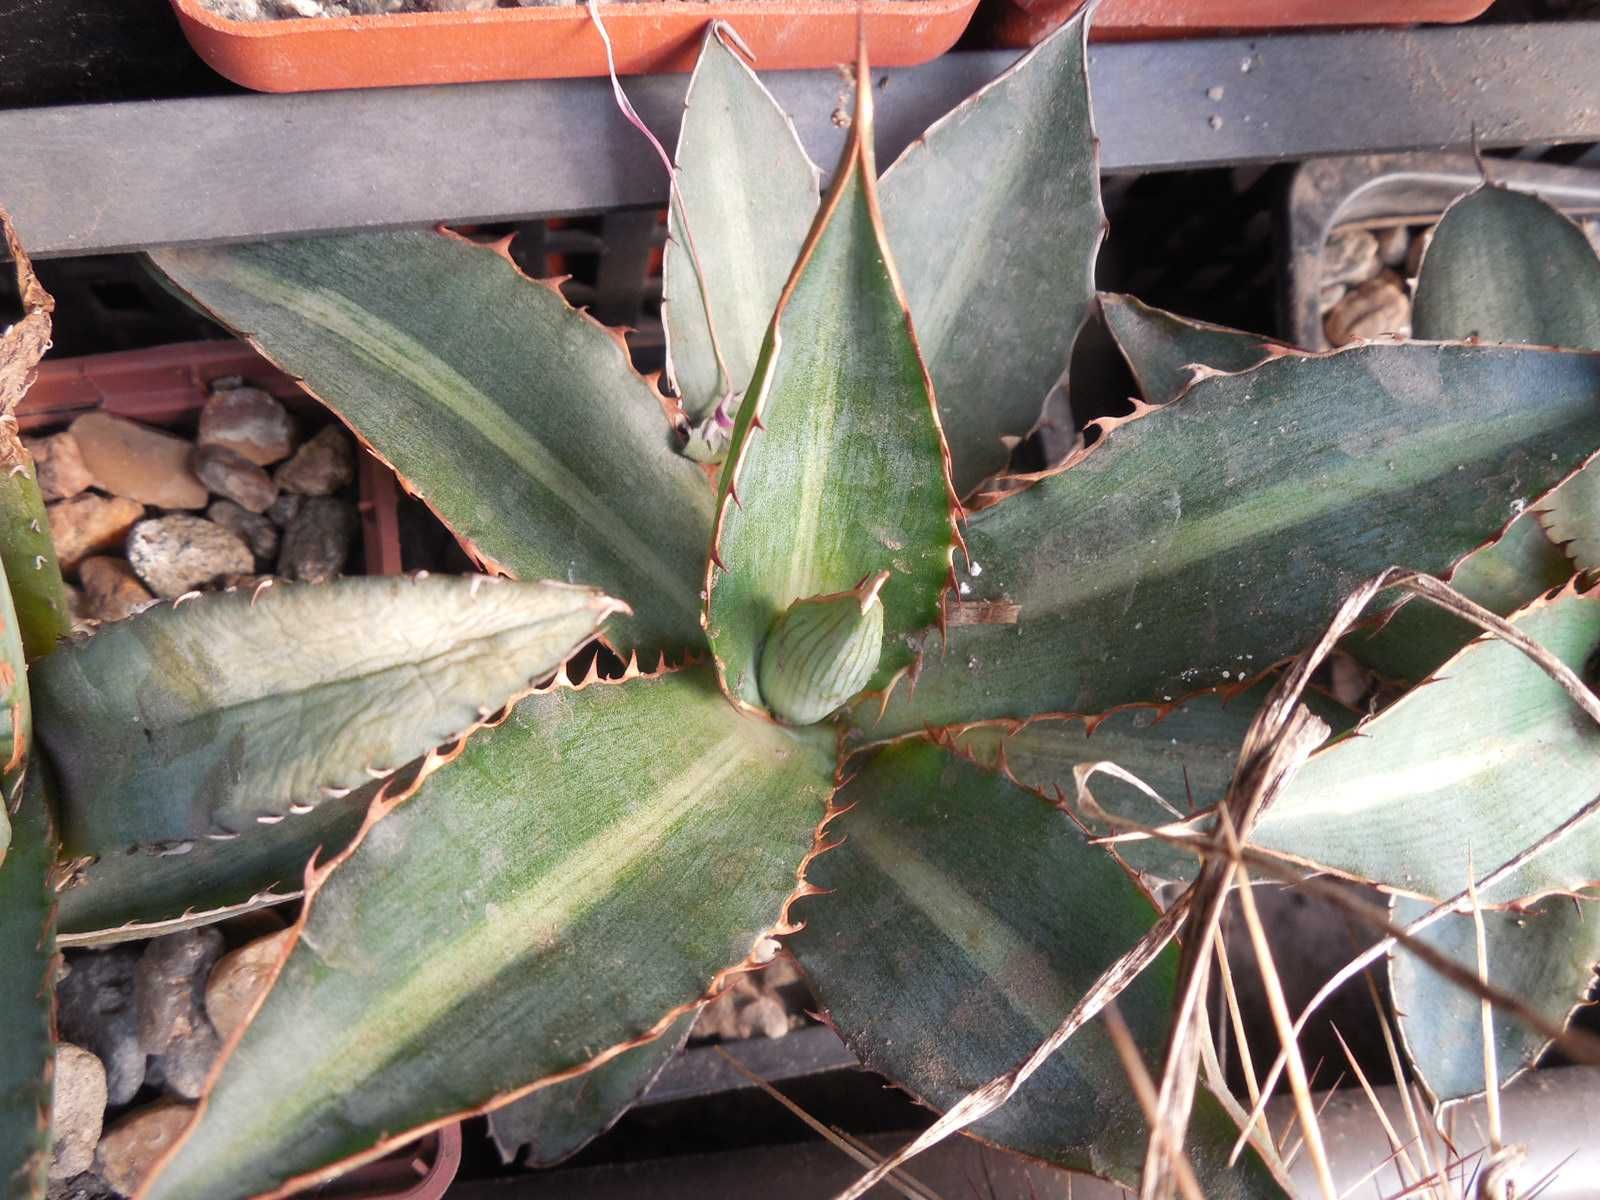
(1019, 24)
(705, 10)
(648, 36)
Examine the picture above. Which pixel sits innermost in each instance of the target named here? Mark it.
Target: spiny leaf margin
(1166, 352)
(1437, 777)
(1036, 566)
(530, 718)
(216, 713)
(737, 624)
(996, 216)
(719, 204)
(519, 418)
(1545, 954)
(942, 941)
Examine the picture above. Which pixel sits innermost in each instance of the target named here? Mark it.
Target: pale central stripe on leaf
(816, 450)
(943, 304)
(1254, 515)
(537, 916)
(991, 945)
(1462, 768)
(394, 350)
(815, 446)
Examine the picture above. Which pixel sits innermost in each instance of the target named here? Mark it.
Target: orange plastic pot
(318, 53)
(168, 385)
(1021, 23)
(422, 1171)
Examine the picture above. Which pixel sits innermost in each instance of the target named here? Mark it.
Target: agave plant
(880, 657)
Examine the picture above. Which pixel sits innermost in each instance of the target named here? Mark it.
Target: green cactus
(887, 663)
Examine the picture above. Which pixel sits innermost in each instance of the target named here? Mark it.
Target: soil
(283, 10)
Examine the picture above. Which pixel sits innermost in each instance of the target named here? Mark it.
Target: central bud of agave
(822, 651)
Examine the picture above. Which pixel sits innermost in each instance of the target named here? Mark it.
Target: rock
(140, 463)
(1377, 307)
(236, 10)
(170, 985)
(1350, 257)
(86, 525)
(234, 477)
(177, 554)
(59, 465)
(318, 540)
(747, 1008)
(132, 1146)
(77, 604)
(87, 1186)
(303, 8)
(239, 978)
(258, 532)
(112, 590)
(320, 467)
(1394, 243)
(249, 422)
(284, 508)
(171, 991)
(78, 1110)
(1349, 681)
(96, 1010)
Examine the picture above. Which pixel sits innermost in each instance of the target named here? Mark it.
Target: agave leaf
(1546, 955)
(580, 876)
(1571, 516)
(1163, 350)
(27, 950)
(994, 214)
(235, 710)
(519, 419)
(1218, 533)
(1185, 752)
(1514, 569)
(961, 919)
(556, 1122)
(1504, 266)
(837, 469)
(1473, 767)
(147, 891)
(26, 551)
(748, 194)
